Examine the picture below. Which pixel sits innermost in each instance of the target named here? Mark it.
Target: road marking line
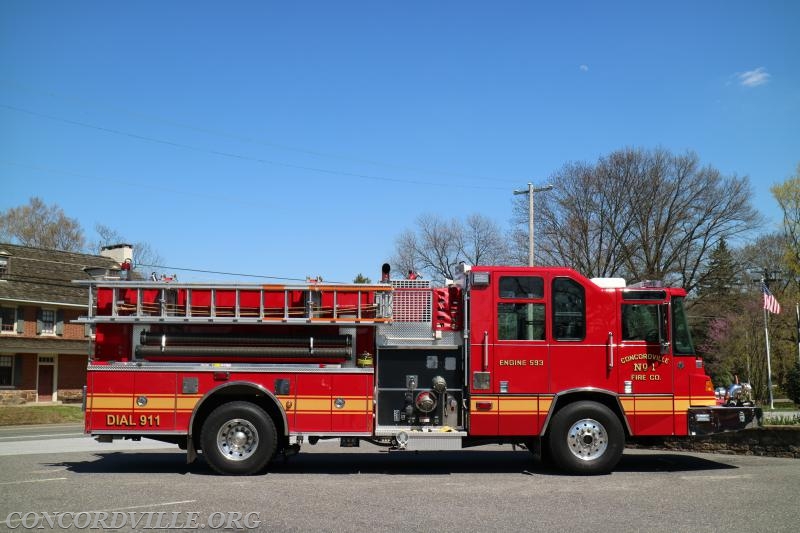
(164, 504)
(33, 480)
(6, 429)
(51, 471)
(43, 435)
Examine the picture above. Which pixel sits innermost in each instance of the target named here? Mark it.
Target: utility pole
(529, 191)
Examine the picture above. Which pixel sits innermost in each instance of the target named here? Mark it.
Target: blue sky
(300, 138)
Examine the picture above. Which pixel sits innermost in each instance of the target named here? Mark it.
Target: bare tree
(640, 214)
(145, 257)
(436, 246)
(42, 226)
(581, 223)
(481, 241)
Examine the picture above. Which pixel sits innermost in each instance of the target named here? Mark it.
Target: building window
(48, 322)
(8, 319)
(6, 370)
(3, 267)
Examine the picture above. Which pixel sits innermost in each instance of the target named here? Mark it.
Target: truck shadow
(393, 464)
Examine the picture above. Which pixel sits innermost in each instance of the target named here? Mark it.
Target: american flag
(770, 302)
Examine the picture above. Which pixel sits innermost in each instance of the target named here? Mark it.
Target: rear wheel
(586, 438)
(238, 438)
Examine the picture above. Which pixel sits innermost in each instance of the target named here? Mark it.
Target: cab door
(645, 361)
(520, 352)
(508, 351)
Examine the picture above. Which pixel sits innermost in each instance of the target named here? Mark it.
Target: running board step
(417, 440)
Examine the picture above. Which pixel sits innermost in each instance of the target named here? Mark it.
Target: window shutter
(60, 322)
(20, 320)
(39, 322)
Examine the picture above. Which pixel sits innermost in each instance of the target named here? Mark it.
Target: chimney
(120, 253)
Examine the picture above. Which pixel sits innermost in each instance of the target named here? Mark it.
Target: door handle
(610, 350)
(485, 351)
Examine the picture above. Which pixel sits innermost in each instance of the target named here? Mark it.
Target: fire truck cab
(542, 357)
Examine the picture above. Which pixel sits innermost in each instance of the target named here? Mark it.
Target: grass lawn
(14, 415)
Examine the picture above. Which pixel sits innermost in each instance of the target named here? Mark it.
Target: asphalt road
(327, 488)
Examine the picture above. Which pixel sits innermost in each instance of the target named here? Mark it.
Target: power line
(243, 157)
(62, 283)
(221, 273)
(254, 140)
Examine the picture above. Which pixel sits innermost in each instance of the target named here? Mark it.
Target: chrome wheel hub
(587, 439)
(237, 439)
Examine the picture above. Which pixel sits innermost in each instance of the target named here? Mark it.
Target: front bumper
(709, 420)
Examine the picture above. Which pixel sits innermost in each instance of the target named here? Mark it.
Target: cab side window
(641, 322)
(522, 319)
(569, 310)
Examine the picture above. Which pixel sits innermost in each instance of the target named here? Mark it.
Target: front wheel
(586, 438)
(238, 438)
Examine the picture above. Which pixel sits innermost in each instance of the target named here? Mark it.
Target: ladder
(168, 302)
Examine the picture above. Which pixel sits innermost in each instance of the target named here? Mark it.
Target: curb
(768, 441)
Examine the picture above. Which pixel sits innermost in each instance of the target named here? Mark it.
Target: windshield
(681, 338)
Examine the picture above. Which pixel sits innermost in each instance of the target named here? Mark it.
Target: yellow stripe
(355, 405)
(653, 404)
(682, 405)
(157, 403)
(183, 403)
(306, 404)
(518, 405)
(544, 403)
(628, 404)
(111, 403)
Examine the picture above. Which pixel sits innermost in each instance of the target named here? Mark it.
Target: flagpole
(769, 366)
(797, 310)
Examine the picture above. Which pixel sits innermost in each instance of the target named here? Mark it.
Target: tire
(586, 438)
(238, 438)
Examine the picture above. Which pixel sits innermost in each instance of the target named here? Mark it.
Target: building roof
(40, 275)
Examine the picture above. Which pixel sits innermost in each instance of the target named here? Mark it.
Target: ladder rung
(154, 301)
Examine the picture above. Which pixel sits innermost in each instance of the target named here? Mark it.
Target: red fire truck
(542, 357)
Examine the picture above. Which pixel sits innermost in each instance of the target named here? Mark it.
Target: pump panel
(420, 386)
